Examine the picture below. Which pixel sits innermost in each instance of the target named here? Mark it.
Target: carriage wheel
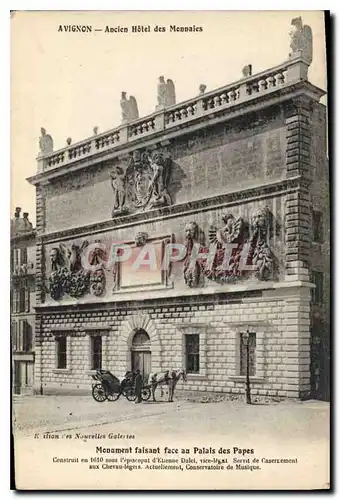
(130, 394)
(113, 396)
(146, 393)
(98, 393)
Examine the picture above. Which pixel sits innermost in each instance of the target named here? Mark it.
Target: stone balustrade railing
(288, 73)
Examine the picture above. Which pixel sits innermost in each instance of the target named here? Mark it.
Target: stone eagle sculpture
(301, 40)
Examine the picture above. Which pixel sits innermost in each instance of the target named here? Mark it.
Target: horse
(168, 378)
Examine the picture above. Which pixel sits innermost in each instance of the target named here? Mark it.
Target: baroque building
(240, 167)
(22, 303)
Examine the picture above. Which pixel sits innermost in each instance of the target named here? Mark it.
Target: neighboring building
(243, 164)
(22, 302)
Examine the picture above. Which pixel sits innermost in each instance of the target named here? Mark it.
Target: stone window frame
(67, 333)
(201, 330)
(236, 330)
(96, 331)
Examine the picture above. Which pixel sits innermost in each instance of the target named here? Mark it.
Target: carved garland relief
(253, 237)
(68, 276)
(142, 182)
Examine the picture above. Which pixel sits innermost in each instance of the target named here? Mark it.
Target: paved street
(287, 429)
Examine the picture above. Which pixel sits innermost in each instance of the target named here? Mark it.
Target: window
(27, 336)
(317, 227)
(192, 353)
(243, 354)
(27, 299)
(61, 348)
(317, 292)
(16, 301)
(23, 256)
(96, 352)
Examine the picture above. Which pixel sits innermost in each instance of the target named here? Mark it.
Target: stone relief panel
(96, 268)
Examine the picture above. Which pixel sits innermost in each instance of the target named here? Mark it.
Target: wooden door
(141, 360)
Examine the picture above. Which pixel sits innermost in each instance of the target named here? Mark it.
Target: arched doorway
(141, 353)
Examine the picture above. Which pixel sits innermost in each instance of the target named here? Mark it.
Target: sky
(69, 82)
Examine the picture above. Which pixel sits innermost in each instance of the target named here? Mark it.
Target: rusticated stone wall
(175, 226)
(217, 161)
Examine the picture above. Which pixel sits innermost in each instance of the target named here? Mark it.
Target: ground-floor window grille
(96, 352)
(192, 353)
(61, 352)
(252, 353)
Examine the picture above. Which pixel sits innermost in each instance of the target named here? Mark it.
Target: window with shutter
(22, 299)
(16, 301)
(27, 299)
(23, 256)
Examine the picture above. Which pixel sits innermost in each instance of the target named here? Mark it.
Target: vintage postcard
(170, 232)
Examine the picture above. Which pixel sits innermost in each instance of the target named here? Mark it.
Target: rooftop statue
(301, 40)
(69, 141)
(45, 143)
(202, 88)
(129, 108)
(166, 95)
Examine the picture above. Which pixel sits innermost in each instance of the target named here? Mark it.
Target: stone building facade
(22, 303)
(243, 165)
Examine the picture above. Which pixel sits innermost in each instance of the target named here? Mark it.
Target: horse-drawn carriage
(108, 387)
